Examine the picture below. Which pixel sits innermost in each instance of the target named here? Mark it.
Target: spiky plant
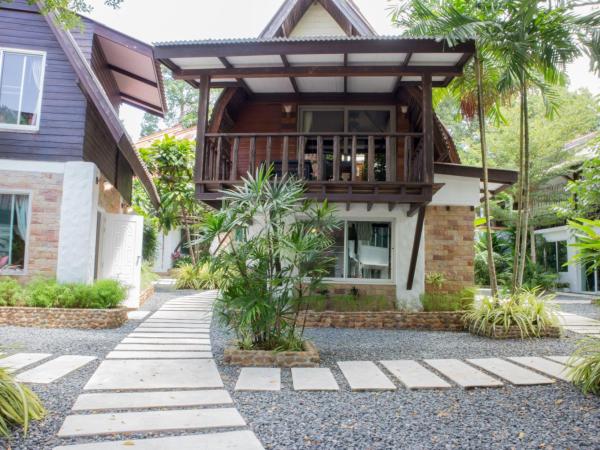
(18, 405)
(585, 366)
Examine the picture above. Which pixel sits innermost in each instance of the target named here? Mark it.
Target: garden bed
(266, 358)
(434, 321)
(514, 332)
(23, 316)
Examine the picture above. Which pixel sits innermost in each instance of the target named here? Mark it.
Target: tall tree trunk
(526, 182)
(518, 223)
(484, 164)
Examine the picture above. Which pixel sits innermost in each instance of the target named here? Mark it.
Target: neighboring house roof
(93, 90)
(177, 131)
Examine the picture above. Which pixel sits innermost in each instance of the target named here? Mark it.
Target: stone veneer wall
(45, 195)
(438, 321)
(109, 199)
(62, 317)
(449, 245)
(260, 358)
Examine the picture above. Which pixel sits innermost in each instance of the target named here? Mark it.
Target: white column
(78, 223)
(405, 235)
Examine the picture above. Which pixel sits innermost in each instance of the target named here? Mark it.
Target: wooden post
(415, 250)
(371, 160)
(388, 159)
(219, 148)
(320, 159)
(336, 158)
(268, 156)
(285, 166)
(353, 162)
(427, 129)
(300, 157)
(204, 91)
(252, 161)
(406, 158)
(234, 158)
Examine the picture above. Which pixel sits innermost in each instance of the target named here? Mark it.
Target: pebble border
(20, 316)
(264, 358)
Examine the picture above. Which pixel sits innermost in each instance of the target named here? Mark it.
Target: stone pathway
(161, 379)
(49, 371)
(426, 374)
(580, 324)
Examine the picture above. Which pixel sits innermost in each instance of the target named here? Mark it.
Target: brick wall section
(449, 241)
(46, 195)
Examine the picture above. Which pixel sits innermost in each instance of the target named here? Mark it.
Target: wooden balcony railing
(366, 166)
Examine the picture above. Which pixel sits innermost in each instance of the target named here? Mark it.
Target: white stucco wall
(573, 275)
(78, 221)
(167, 243)
(457, 191)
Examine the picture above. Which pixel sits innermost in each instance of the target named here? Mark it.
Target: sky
(170, 20)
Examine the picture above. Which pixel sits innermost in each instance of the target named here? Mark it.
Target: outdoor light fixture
(404, 109)
(287, 108)
(106, 185)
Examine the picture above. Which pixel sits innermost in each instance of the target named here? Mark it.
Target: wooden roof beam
(286, 63)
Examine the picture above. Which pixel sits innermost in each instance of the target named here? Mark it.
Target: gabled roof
(93, 90)
(345, 13)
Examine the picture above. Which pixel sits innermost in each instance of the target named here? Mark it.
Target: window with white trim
(14, 224)
(362, 250)
(21, 82)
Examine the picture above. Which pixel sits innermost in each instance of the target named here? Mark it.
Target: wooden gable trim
(94, 92)
(291, 11)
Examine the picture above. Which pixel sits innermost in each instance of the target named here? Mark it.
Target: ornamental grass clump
(271, 251)
(529, 310)
(18, 405)
(197, 276)
(585, 366)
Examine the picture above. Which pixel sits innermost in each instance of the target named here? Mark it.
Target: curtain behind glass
(21, 212)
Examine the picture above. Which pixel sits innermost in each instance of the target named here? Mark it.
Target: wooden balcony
(369, 168)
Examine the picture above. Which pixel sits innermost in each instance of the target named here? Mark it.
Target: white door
(121, 252)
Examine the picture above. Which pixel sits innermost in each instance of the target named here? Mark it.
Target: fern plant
(18, 405)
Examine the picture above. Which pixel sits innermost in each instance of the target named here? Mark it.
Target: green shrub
(11, 292)
(18, 405)
(199, 276)
(149, 241)
(585, 362)
(528, 310)
(459, 301)
(104, 294)
(50, 294)
(347, 303)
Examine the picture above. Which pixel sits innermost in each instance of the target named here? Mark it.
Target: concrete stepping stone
(134, 374)
(563, 360)
(365, 376)
(137, 340)
(137, 315)
(201, 331)
(545, 366)
(313, 379)
(163, 347)
(511, 372)
(462, 374)
(54, 369)
(413, 375)
(230, 440)
(157, 355)
(186, 323)
(161, 399)
(150, 421)
(259, 379)
(144, 334)
(20, 360)
(177, 315)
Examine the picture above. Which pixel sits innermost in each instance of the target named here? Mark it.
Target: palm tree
(525, 44)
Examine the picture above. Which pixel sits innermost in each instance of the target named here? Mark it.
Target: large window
(362, 251)
(14, 222)
(21, 81)
(553, 256)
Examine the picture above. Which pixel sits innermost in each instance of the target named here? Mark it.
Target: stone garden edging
(261, 358)
(146, 294)
(513, 332)
(21, 316)
(433, 321)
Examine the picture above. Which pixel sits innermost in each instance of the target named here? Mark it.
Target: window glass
(337, 251)
(365, 121)
(368, 250)
(550, 254)
(561, 256)
(14, 211)
(20, 88)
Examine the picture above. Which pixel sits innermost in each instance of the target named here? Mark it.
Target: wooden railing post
(268, 151)
(427, 129)
(353, 157)
(371, 160)
(285, 156)
(300, 157)
(388, 159)
(219, 148)
(320, 159)
(336, 158)
(252, 161)
(234, 158)
(406, 158)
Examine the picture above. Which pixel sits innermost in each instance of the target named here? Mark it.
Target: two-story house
(66, 162)
(321, 96)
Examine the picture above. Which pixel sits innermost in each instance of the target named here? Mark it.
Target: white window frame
(347, 280)
(24, 270)
(38, 111)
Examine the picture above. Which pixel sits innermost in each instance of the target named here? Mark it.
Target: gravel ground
(590, 310)
(555, 416)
